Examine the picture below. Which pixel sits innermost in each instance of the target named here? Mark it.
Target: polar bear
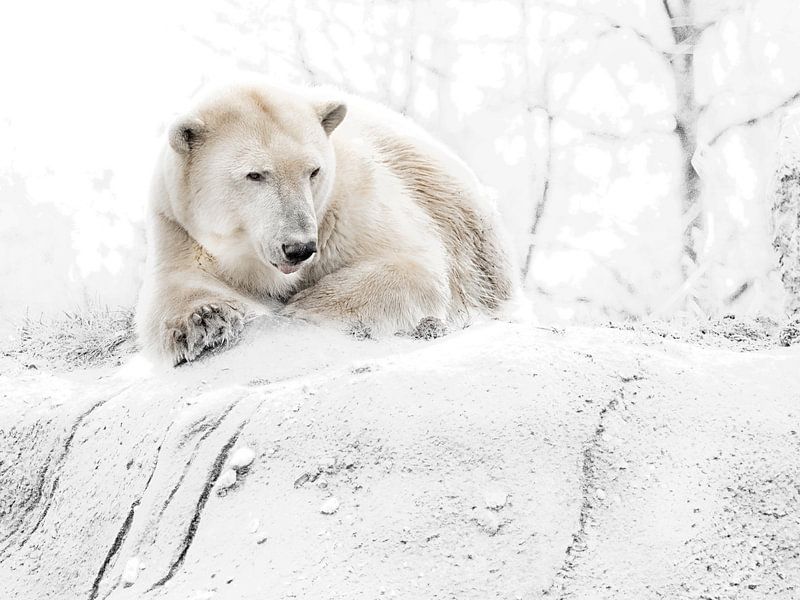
(319, 205)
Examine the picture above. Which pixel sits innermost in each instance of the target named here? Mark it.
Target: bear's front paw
(207, 326)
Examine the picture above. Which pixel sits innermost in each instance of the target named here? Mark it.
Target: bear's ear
(186, 134)
(330, 115)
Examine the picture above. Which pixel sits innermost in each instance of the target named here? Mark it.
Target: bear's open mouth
(287, 268)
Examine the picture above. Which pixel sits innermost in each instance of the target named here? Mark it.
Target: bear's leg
(180, 323)
(388, 295)
(182, 309)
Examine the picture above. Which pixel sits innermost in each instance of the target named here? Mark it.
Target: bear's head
(256, 167)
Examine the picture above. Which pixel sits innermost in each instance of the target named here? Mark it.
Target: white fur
(403, 228)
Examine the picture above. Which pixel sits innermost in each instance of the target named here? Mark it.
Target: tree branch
(755, 120)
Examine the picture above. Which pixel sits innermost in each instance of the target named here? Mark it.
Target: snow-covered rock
(227, 479)
(242, 458)
(329, 506)
(130, 572)
(429, 448)
(495, 498)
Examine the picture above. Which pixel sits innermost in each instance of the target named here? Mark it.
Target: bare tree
(685, 34)
(536, 115)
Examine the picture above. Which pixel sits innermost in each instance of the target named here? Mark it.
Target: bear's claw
(430, 328)
(207, 326)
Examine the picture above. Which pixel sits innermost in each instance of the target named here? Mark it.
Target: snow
(130, 572)
(488, 521)
(226, 479)
(254, 525)
(242, 458)
(495, 498)
(329, 506)
(486, 453)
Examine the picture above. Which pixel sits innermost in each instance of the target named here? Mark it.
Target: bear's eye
(314, 173)
(255, 176)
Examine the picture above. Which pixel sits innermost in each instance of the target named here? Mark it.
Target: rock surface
(617, 464)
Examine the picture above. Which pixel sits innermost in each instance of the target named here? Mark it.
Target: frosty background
(582, 115)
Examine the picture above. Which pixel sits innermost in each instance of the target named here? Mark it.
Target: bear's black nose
(297, 253)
